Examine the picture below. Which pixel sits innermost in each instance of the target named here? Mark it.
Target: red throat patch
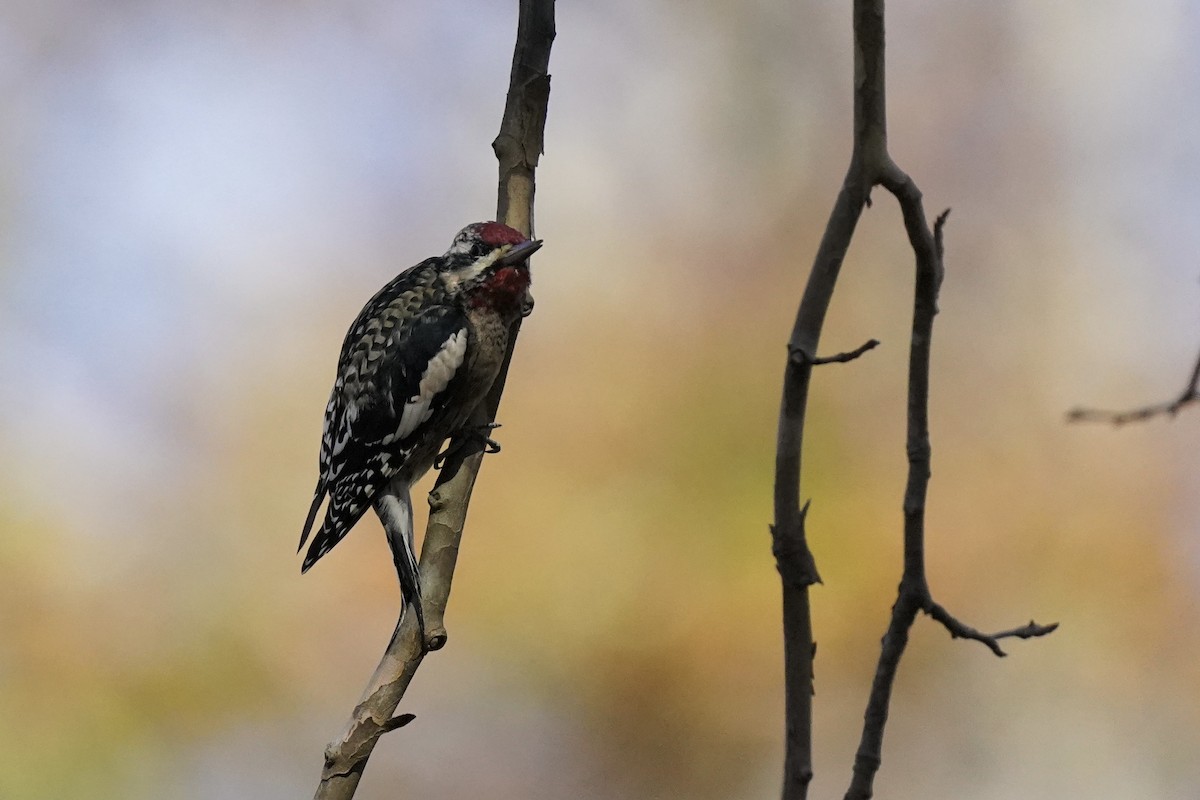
(503, 290)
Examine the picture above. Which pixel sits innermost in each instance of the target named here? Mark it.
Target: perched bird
(419, 358)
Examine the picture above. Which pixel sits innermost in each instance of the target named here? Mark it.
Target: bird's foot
(480, 434)
(468, 437)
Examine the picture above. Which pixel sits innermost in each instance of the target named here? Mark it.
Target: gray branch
(870, 165)
(840, 358)
(517, 147)
(1189, 395)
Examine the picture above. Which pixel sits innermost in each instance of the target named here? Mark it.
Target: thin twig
(517, 147)
(1190, 394)
(958, 630)
(840, 358)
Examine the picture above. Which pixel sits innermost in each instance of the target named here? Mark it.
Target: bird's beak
(519, 253)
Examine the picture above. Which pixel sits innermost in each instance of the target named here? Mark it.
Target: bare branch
(870, 165)
(517, 147)
(798, 569)
(1190, 394)
(914, 594)
(914, 590)
(958, 630)
(841, 358)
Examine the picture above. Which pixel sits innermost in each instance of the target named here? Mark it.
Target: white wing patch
(437, 376)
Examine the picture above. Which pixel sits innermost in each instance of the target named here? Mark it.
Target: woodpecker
(419, 358)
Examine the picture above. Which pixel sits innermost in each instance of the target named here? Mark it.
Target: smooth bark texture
(870, 165)
(517, 148)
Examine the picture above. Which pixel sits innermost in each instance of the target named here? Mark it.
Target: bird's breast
(487, 344)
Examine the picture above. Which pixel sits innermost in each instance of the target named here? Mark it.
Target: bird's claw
(466, 437)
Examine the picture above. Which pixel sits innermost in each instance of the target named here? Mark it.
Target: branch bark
(870, 165)
(518, 148)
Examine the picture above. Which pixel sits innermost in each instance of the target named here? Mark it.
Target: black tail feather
(341, 515)
(318, 496)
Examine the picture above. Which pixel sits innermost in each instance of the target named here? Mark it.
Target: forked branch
(517, 148)
(870, 165)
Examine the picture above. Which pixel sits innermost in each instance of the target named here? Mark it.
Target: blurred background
(196, 199)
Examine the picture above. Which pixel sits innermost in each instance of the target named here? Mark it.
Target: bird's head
(487, 264)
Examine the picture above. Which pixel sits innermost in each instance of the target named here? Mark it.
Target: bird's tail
(395, 512)
(345, 509)
(318, 496)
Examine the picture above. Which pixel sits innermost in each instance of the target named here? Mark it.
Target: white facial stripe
(472, 270)
(437, 376)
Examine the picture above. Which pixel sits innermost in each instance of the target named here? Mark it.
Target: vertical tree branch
(793, 558)
(870, 165)
(914, 591)
(517, 147)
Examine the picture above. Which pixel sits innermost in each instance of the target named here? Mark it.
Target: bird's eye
(479, 250)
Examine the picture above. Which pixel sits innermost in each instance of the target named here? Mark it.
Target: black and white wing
(397, 370)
